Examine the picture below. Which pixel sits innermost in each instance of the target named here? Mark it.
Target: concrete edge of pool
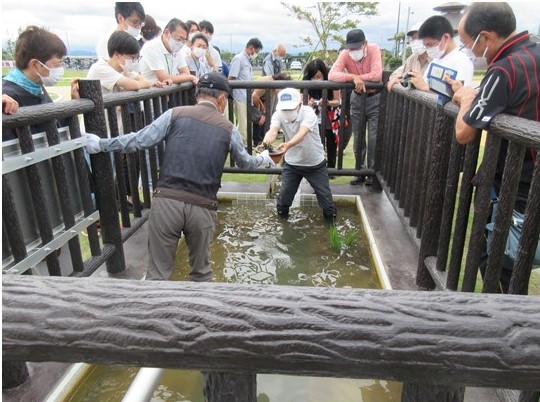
(76, 374)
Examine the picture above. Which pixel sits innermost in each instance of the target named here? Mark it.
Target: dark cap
(355, 39)
(215, 81)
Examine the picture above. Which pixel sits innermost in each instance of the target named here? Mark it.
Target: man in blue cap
(199, 138)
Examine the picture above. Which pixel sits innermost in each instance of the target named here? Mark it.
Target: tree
(328, 19)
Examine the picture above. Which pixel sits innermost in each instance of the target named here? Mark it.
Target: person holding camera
(418, 61)
(316, 70)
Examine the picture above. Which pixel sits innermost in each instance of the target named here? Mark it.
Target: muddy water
(252, 245)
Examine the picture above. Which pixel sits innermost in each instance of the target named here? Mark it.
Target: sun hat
(414, 28)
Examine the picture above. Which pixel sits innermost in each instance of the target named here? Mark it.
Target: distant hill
(82, 51)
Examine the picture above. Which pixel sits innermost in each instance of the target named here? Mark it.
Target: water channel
(254, 246)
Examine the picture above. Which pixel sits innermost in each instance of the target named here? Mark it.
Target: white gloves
(267, 160)
(92, 143)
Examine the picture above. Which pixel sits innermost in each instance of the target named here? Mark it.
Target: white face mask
(417, 47)
(135, 32)
(131, 66)
(198, 52)
(254, 56)
(191, 35)
(356, 55)
(55, 74)
(472, 57)
(434, 52)
(175, 45)
(289, 115)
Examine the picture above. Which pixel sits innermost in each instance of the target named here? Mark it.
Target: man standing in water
(304, 157)
(185, 200)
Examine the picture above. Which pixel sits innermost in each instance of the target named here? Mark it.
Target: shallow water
(253, 245)
(109, 384)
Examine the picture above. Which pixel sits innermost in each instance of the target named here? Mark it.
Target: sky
(80, 25)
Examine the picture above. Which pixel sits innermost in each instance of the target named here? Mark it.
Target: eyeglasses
(464, 45)
(134, 59)
(136, 23)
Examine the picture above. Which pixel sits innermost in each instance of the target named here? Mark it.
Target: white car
(296, 65)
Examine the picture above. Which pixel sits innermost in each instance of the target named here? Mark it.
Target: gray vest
(196, 148)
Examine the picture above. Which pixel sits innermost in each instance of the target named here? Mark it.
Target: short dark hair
(255, 42)
(199, 36)
(123, 43)
(37, 43)
(125, 9)
(496, 17)
(174, 23)
(206, 26)
(435, 27)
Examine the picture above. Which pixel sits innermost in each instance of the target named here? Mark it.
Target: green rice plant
(339, 241)
(350, 237)
(335, 239)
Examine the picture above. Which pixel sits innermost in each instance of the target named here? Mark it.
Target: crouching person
(198, 140)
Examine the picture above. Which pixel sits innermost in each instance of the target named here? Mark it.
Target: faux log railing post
(446, 339)
(426, 393)
(94, 122)
(521, 271)
(230, 387)
(438, 163)
(14, 373)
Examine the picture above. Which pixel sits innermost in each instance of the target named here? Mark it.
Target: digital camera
(406, 80)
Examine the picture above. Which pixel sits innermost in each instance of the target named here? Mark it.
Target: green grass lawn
(348, 163)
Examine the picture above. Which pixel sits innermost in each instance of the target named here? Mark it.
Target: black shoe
(357, 181)
(369, 181)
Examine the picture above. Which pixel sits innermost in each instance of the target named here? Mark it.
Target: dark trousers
(364, 110)
(317, 177)
(331, 147)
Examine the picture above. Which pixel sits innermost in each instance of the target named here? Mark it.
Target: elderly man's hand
(455, 84)
(359, 85)
(464, 95)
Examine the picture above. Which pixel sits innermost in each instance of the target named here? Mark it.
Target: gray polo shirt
(241, 70)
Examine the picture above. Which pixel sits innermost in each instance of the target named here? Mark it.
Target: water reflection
(109, 384)
(253, 245)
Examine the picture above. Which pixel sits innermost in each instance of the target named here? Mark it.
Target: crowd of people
(137, 53)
